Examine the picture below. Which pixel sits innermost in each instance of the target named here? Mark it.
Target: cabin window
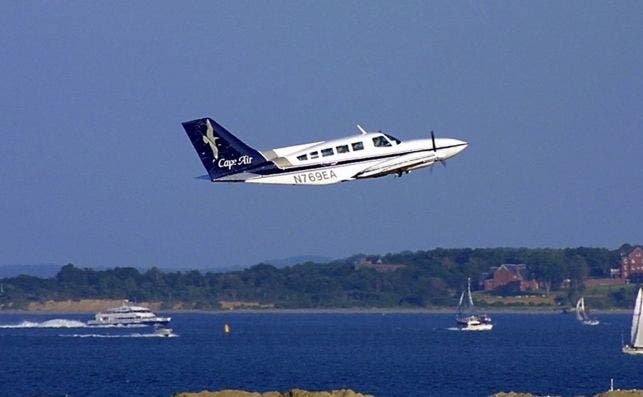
(342, 149)
(380, 141)
(303, 157)
(327, 152)
(314, 155)
(357, 145)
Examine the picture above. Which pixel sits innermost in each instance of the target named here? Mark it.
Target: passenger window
(303, 157)
(342, 149)
(327, 152)
(380, 141)
(357, 145)
(314, 155)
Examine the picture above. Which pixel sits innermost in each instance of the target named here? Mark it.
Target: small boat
(127, 315)
(582, 314)
(467, 318)
(161, 331)
(636, 337)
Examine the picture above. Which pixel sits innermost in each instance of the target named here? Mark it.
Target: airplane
(366, 155)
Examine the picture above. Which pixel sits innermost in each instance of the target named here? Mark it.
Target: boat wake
(55, 323)
(465, 329)
(136, 335)
(62, 323)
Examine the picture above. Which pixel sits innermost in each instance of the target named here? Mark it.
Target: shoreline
(383, 311)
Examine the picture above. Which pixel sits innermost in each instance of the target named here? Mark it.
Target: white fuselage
(367, 155)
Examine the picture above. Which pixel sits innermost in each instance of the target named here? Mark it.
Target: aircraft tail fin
(220, 152)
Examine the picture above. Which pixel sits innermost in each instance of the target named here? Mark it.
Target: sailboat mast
(469, 291)
(579, 315)
(637, 332)
(582, 304)
(582, 308)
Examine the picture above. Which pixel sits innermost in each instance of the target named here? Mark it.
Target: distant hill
(295, 260)
(47, 270)
(44, 270)
(278, 263)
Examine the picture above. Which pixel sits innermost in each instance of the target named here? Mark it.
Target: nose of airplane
(451, 147)
(462, 145)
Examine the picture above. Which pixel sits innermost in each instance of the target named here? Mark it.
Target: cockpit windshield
(393, 139)
(385, 140)
(381, 141)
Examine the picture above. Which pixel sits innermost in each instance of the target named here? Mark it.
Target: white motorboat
(582, 314)
(466, 318)
(127, 315)
(636, 337)
(475, 323)
(162, 331)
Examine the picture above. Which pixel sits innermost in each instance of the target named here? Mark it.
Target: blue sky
(95, 168)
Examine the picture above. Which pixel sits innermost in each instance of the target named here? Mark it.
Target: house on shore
(507, 274)
(632, 265)
(630, 270)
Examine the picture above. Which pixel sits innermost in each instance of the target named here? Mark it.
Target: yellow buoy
(226, 328)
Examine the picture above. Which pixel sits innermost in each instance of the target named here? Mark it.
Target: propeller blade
(433, 140)
(443, 162)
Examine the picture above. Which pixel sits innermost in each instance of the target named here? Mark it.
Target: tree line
(421, 279)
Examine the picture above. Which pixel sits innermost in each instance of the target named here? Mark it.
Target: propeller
(435, 150)
(433, 140)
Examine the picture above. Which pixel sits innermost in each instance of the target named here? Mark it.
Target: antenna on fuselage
(363, 131)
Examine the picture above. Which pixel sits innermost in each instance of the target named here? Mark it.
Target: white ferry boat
(128, 315)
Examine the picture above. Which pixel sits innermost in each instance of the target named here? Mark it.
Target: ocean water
(381, 354)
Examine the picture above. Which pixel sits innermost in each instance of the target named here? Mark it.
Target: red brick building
(632, 264)
(510, 274)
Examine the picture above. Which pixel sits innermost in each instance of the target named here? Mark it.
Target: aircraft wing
(402, 163)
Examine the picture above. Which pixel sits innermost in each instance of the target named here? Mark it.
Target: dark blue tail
(221, 152)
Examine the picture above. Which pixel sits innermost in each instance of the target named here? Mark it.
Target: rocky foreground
(621, 393)
(291, 393)
(350, 393)
(613, 393)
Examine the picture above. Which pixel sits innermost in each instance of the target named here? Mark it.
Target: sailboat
(581, 314)
(466, 317)
(636, 339)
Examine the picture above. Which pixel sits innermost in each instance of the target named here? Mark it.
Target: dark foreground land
(291, 393)
(613, 393)
(351, 393)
